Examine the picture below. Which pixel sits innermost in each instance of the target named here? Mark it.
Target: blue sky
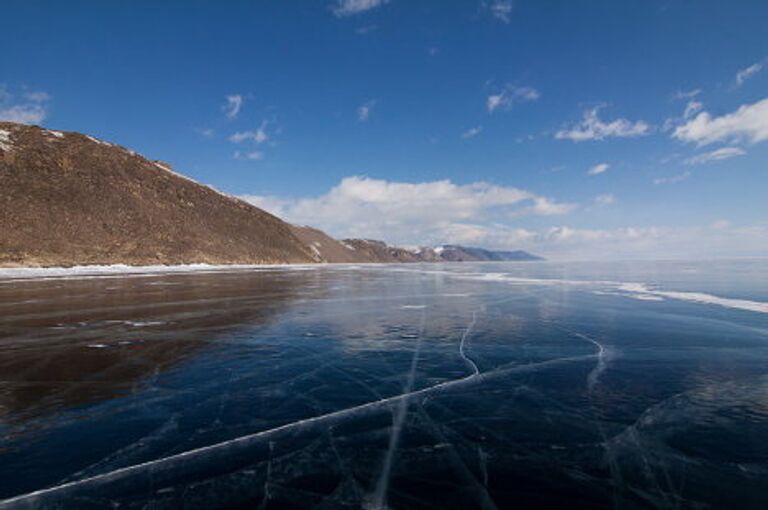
(572, 129)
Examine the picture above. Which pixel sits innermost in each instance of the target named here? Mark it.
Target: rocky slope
(327, 249)
(67, 199)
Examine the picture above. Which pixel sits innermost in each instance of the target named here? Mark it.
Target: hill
(67, 199)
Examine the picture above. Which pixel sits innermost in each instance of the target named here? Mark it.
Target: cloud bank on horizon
(573, 132)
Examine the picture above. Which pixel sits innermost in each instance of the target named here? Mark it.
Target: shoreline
(121, 270)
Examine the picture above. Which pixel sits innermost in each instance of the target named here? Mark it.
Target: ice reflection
(83, 341)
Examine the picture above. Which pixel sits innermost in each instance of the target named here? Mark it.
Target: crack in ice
(250, 439)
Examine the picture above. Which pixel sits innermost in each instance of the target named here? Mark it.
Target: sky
(574, 130)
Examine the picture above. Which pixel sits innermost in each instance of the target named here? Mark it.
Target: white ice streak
(467, 331)
(631, 295)
(697, 297)
(382, 487)
(142, 324)
(602, 361)
(638, 291)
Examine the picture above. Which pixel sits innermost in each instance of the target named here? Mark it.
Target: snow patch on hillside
(100, 142)
(5, 140)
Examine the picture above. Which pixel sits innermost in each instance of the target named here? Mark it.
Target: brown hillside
(327, 249)
(66, 199)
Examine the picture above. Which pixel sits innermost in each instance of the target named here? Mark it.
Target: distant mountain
(69, 199)
(378, 251)
(455, 253)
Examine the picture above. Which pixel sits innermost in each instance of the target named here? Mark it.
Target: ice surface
(381, 387)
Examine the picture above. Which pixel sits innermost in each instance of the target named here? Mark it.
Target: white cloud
(598, 169)
(251, 156)
(367, 29)
(481, 214)
(32, 109)
(510, 95)
(592, 128)
(543, 206)
(258, 136)
(37, 96)
(24, 114)
(691, 108)
(605, 200)
(364, 110)
(472, 132)
(748, 72)
(500, 9)
(233, 106)
(674, 179)
(494, 101)
(716, 155)
(749, 123)
(411, 213)
(343, 8)
(687, 94)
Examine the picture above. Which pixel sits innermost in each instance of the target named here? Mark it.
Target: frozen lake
(469, 385)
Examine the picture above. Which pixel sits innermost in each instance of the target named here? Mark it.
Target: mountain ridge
(69, 199)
